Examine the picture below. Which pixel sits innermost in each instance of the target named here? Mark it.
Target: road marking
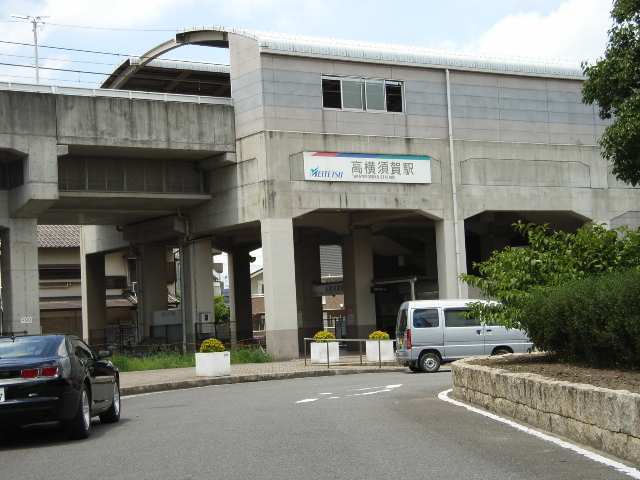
(362, 392)
(621, 467)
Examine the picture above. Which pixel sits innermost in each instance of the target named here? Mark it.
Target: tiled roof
(58, 236)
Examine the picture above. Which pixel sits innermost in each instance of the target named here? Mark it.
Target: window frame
(364, 81)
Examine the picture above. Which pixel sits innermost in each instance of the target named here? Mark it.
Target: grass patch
(159, 361)
(156, 361)
(250, 355)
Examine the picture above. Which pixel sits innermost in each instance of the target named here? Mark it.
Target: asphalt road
(370, 426)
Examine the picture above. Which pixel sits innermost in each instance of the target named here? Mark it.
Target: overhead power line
(98, 52)
(146, 28)
(106, 74)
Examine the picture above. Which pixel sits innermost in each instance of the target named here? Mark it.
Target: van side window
(426, 318)
(455, 317)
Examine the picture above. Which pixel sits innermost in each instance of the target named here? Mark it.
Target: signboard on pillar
(366, 167)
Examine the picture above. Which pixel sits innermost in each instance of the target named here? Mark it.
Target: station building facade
(414, 163)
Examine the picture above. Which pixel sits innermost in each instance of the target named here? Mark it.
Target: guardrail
(329, 352)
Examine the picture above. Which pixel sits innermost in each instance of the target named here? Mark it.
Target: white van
(432, 332)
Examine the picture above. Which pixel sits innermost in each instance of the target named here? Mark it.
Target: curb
(263, 377)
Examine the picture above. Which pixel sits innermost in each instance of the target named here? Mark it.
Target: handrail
(360, 341)
(105, 92)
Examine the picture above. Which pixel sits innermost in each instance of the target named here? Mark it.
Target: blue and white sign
(366, 167)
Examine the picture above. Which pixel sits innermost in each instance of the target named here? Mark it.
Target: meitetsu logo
(330, 174)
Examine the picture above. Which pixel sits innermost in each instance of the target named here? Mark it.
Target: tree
(221, 310)
(614, 84)
(551, 258)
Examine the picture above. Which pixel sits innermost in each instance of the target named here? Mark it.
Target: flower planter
(386, 351)
(319, 352)
(215, 364)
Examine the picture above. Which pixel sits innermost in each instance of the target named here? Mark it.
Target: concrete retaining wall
(607, 420)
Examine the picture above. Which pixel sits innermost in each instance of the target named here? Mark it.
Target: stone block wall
(604, 419)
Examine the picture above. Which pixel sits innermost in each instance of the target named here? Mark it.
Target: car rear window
(20, 347)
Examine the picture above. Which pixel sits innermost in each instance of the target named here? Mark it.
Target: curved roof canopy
(345, 50)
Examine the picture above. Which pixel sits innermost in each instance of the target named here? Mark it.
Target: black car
(46, 378)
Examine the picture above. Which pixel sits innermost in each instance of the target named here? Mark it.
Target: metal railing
(107, 92)
(351, 356)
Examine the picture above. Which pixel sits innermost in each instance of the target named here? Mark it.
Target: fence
(362, 352)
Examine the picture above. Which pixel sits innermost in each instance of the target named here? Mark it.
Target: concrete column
(197, 297)
(240, 295)
(94, 296)
(307, 259)
(450, 264)
(359, 302)
(20, 289)
(280, 304)
(152, 284)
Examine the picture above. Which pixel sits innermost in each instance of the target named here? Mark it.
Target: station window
(351, 93)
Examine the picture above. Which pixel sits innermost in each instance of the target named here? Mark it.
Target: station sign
(366, 167)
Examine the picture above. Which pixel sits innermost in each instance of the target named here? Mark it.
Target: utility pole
(35, 22)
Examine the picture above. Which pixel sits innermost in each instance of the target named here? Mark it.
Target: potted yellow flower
(213, 360)
(324, 345)
(380, 347)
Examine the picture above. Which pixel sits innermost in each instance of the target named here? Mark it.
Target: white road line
(326, 393)
(621, 467)
(307, 400)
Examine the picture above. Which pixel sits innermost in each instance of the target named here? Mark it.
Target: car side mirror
(104, 354)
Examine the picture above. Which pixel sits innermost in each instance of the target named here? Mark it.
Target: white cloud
(573, 32)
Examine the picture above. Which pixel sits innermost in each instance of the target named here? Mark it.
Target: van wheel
(430, 362)
(501, 351)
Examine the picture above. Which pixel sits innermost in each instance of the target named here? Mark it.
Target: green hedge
(595, 320)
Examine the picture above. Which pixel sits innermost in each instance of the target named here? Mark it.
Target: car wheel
(501, 351)
(430, 362)
(80, 426)
(113, 414)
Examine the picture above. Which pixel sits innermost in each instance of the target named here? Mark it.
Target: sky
(559, 31)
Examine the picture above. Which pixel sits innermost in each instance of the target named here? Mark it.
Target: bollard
(379, 355)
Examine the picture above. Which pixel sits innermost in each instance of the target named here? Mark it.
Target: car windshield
(20, 347)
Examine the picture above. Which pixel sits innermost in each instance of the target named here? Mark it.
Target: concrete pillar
(280, 304)
(307, 259)
(20, 289)
(152, 284)
(450, 264)
(94, 297)
(359, 301)
(240, 295)
(197, 297)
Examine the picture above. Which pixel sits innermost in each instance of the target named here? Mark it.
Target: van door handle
(488, 330)
(479, 332)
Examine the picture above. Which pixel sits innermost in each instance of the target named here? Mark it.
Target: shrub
(550, 259)
(324, 336)
(211, 345)
(595, 320)
(379, 335)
